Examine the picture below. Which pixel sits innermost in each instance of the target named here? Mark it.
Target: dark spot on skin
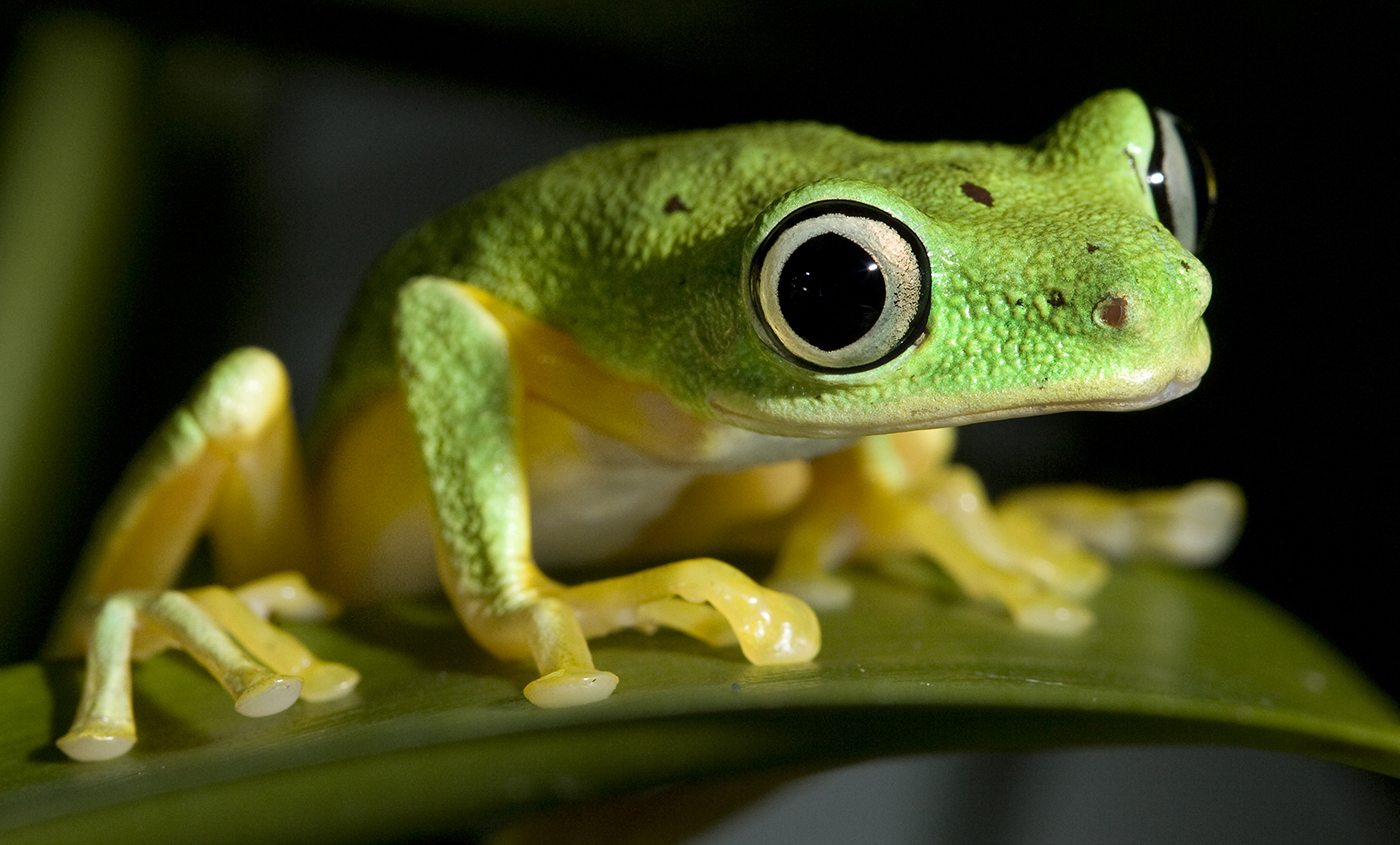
(674, 204)
(1112, 312)
(1020, 302)
(1057, 299)
(961, 167)
(977, 193)
(1092, 247)
(1185, 266)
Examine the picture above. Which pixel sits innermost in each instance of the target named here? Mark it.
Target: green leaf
(438, 734)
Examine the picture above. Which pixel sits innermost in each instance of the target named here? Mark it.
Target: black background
(1288, 104)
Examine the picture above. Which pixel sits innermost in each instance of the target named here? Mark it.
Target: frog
(758, 338)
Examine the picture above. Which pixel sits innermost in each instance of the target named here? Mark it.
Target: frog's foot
(547, 629)
(703, 597)
(771, 627)
(243, 614)
(992, 569)
(264, 670)
(1016, 561)
(1194, 525)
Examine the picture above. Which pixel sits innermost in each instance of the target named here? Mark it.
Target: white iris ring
(887, 248)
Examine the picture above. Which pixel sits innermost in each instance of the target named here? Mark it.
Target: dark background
(282, 147)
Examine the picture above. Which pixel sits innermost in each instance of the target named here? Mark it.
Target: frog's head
(953, 283)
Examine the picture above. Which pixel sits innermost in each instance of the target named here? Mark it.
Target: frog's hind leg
(1194, 525)
(226, 462)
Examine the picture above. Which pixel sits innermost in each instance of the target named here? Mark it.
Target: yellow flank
(372, 512)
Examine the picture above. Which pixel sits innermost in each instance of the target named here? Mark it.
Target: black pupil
(831, 292)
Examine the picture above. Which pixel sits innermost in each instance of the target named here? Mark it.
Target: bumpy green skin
(638, 250)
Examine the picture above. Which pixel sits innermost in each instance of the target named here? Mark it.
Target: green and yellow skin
(748, 338)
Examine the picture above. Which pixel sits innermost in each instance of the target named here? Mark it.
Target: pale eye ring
(840, 286)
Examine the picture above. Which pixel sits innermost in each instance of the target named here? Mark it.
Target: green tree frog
(749, 338)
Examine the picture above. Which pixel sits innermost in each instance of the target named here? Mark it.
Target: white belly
(592, 495)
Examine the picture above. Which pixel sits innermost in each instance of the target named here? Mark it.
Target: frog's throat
(895, 421)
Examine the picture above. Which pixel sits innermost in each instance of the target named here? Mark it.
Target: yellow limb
(896, 494)
(771, 627)
(1195, 525)
(104, 726)
(226, 462)
(283, 653)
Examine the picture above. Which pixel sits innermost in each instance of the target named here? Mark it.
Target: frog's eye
(840, 286)
(1183, 184)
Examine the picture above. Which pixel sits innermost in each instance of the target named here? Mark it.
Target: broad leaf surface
(438, 735)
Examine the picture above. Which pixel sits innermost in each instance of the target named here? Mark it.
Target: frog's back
(558, 240)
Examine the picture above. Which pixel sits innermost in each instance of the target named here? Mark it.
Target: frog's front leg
(463, 396)
(225, 462)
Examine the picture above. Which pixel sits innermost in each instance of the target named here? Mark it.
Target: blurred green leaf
(438, 734)
(68, 128)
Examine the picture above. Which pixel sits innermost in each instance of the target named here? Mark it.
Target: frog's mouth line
(1174, 389)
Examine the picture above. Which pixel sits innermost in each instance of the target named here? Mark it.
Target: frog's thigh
(226, 461)
(374, 524)
(1194, 525)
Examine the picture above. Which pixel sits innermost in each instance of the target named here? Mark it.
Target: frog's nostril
(1111, 311)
